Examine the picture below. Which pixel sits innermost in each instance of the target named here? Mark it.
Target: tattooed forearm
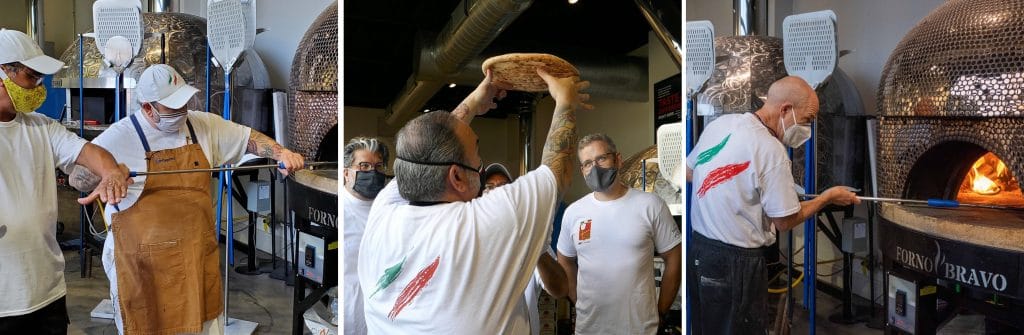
(463, 112)
(82, 179)
(561, 146)
(263, 146)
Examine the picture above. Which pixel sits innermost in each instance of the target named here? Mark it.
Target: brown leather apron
(165, 247)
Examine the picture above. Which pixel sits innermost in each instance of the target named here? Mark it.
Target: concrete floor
(827, 306)
(259, 299)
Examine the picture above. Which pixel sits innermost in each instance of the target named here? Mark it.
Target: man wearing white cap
(33, 146)
(161, 253)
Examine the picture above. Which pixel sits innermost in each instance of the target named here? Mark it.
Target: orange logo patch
(585, 230)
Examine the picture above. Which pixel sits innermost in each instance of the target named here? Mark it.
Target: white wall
(870, 28)
(285, 21)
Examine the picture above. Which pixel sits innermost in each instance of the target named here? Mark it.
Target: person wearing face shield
(743, 195)
(438, 258)
(365, 161)
(606, 246)
(161, 252)
(34, 147)
(548, 276)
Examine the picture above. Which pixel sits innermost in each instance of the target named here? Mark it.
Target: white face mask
(169, 123)
(796, 135)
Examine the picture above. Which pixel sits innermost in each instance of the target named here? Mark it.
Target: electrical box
(855, 234)
(311, 257)
(911, 304)
(258, 195)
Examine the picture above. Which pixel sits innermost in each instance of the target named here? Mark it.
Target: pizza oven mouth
(964, 172)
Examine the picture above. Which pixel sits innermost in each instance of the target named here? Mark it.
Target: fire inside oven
(988, 181)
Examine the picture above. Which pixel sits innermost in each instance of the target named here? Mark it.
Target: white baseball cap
(15, 46)
(162, 84)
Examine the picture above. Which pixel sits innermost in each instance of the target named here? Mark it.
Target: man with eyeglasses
(437, 259)
(743, 195)
(365, 162)
(548, 276)
(161, 252)
(32, 283)
(607, 245)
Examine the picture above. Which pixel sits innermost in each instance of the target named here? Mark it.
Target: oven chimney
(35, 22)
(750, 17)
(163, 6)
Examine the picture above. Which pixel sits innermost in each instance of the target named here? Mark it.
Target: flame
(982, 183)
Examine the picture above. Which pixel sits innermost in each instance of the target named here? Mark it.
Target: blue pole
(686, 213)
(810, 247)
(228, 174)
(220, 207)
(117, 97)
(81, 133)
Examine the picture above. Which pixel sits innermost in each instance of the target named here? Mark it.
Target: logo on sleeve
(585, 230)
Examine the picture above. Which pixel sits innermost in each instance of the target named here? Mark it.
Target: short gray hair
(364, 143)
(595, 137)
(427, 138)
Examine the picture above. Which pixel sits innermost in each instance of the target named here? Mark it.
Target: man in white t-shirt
(365, 162)
(435, 259)
(548, 276)
(607, 246)
(164, 271)
(32, 283)
(742, 195)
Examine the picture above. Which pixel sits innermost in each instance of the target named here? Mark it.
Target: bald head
(793, 90)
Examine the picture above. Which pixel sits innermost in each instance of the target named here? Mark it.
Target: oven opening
(989, 181)
(965, 172)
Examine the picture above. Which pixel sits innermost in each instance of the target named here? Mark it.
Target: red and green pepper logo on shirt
(721, 174)
(411, 290)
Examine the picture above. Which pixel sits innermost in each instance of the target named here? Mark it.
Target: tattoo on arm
(560, 146)
(82, 179)
(463, 112)
(263, 146)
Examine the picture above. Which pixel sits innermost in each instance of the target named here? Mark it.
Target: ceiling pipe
(471, 29)
(750, 17)
(163, 6)
(671, 44)
(615, 77)
(35, 22)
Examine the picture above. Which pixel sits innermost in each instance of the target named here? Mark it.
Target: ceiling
(380, 51)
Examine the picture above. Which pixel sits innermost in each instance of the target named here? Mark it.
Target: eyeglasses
(367, 166)
(33, 74)
(601, 160)
(491, 186)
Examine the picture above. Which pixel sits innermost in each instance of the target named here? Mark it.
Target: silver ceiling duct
(178, 40)
(463, 38)
(163, 6)
(616, 77)
(313, 88)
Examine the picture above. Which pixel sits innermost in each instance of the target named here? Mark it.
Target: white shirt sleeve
(228, 140)
(66, 145)
(666, 234)
(566, 246)
(533, 198)
(386, 199)
(777, 195)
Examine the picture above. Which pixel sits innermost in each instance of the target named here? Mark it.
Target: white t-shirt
(223, 142)
(741, 173)
(614, 244)
(32, 265)
(462, 266)
(356, 211)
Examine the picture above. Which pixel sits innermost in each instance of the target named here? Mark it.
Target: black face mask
(600, 179)
(369, 183)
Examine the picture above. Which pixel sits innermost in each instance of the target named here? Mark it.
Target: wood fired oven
(951, 126)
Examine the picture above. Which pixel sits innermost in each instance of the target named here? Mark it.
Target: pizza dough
(518, 71)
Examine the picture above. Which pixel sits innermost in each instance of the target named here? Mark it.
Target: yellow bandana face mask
(24, 100)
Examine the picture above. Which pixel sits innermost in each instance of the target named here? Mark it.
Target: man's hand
(566, 91)
(480, 100)
(840, 196)
(113, 186)
(292, 161)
